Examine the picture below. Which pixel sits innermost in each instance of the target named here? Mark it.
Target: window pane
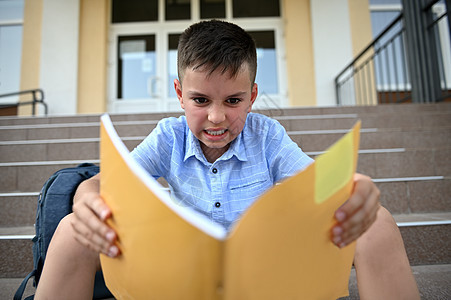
(10, 60)
(267, 78)
(134, 11)
(384, 2)
(136, 66)
(11, 10)
(173, 41)
(255, 8)
(210, 9)
(178, 9)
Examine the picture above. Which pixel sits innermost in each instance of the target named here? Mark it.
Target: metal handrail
(36, 100)
(370, 46)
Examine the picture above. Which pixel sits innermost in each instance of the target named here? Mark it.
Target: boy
(218, 159)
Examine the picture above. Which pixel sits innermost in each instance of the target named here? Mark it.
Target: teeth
(218, 132)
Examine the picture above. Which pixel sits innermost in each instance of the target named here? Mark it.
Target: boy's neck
(212, 154)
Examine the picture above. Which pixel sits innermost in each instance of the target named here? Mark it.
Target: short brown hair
(216, 45)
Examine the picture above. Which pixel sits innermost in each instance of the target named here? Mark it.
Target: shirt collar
(192, 148)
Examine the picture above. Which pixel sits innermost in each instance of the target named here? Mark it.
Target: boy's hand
(90, 213)
(357, 214)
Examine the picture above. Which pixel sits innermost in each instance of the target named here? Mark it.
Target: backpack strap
(19, 293)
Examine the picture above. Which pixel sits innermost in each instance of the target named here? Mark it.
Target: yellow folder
(280, 249)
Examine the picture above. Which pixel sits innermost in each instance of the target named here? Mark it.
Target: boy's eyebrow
(199, 94)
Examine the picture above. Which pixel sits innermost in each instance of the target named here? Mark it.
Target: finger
(98, 206)
(364, 190)
(94, 241)
(365, 215)
(89, 225)
(357, 225)
(348, 231)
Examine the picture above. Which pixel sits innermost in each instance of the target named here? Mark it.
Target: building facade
(94, 56)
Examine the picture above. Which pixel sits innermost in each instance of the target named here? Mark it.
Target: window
(210, 9)
(178, 9)
(11, 15)
(256, 8)
(134, 11)
(136, 67)
(173, 41)
(266, 61)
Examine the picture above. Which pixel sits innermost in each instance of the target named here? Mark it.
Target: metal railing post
(421, 52)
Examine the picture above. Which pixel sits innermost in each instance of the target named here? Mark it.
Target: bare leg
(382, 267)
(69, 268)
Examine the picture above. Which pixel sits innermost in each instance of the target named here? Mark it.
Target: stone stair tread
(19, 230)
(399, 218)
(432, 280)
(425, 217)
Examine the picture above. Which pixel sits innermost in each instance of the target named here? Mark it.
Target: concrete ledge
(432, 280)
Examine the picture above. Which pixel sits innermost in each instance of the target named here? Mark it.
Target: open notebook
(279, 249)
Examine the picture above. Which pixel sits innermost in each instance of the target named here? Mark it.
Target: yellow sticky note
(335, 167)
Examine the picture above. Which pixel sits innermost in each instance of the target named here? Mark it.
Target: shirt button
(214, 170)
(217, 204)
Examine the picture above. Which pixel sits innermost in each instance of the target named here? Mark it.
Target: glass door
(136, 67)
(143, 49)
(143, 67)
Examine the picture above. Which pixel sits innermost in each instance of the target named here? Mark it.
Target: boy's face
(216, 106)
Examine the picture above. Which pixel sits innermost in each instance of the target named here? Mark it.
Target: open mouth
(216, 132)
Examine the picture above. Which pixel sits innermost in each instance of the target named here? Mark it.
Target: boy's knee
(65, 224)
(383, 233)
(385, 217)
(64, 240)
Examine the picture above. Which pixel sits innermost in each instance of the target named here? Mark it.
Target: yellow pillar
(31, 52)
(299, 53)
(93, 56)
(361, 32)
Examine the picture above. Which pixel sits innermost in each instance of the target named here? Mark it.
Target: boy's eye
(200, 100)
(233, 101)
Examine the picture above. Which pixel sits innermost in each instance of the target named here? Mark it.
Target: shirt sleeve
(154, 152)
(285, 157)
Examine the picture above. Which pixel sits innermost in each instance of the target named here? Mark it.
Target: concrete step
(427, 240)
(379, 109)
(415, 194)
(80, 118)
(308, 140)
(291, 123)
(376, 163)
(373, 138)
(412, 195)
(432, 280)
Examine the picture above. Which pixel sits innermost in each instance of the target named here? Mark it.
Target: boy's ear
(178, 91)
(254, 94)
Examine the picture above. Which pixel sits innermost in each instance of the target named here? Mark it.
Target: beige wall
(361, 32)
(299, 53)
(359, 13)
(93, 48)
(31, 52)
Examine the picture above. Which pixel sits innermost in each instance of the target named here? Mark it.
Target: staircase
(406, 149)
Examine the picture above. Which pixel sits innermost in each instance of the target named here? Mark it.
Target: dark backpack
(54, 202)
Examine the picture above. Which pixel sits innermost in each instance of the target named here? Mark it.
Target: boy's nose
(216, 115)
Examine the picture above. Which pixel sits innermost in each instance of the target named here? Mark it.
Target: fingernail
(110, 236)
(340, 216)
(336, 240)
(337, 231)
(342, 245)
(113, 251)
(103, 214)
